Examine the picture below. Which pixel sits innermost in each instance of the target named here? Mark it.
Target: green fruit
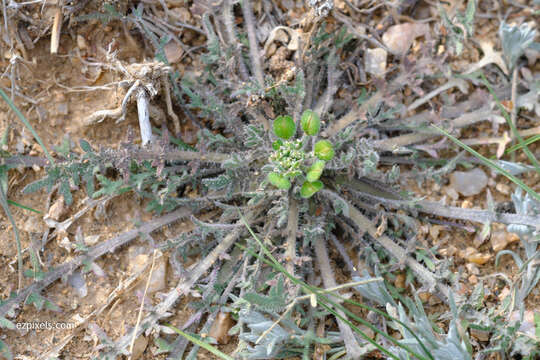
(311, 123)
(279, 181)
(284, 127)
(277, 144)
(324, 150)
(315, 171)
(310, 188)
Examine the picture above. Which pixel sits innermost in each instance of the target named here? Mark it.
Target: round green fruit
(315, 171)
(311, 122)
(284, 127)
(279, 181)
(310, 188)
(324, 150)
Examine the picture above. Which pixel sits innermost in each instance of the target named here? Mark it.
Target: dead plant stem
(253, 47)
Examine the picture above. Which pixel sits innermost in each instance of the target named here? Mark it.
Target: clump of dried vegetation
(301, 265)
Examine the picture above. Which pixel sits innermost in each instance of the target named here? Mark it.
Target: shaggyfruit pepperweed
(288, 156)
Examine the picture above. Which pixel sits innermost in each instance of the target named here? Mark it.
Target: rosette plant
(262, 250)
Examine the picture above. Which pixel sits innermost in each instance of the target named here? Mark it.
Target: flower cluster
(289, 159)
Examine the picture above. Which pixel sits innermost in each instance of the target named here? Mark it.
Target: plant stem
(93, 254)
(426, 277)
(292, 226)
(329, 282)
(253, 47)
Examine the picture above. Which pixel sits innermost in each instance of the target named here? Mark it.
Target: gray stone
(469, 183)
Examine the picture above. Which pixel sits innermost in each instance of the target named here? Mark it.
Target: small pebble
(472, 269)
(466, 204)
(480, 335)
(57, 210)
(449, 251)
(158, 279)
(424, 296)
(399, 38)
(469, 183)
(139, 346)
(500, 239)
(76, 281)
(400, 281)
(173, 52)
(451, 192)
(220, 328)
(503, 188)
(472, 255)
(375, 61)
(434, 232)
(81, 42)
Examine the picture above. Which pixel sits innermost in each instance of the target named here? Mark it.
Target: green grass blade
(23, 207)
(515, 132)
(528, 141)
(323, 300)
(491, 164)
(201, 343)
(27, 124)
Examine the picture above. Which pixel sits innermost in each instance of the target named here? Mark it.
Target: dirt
(55, 82)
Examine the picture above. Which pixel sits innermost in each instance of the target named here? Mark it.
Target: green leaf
(275, 301)
(279, 181)
(202, 344)
(217, 183)
(109, 187)
(163, 346)
(284, 127)
(36, 185)
(37, 300)
(86, 146)
(315, 171)
(310, 188)
(254, 136)
(66, 192)
(311, 122)
(324, 150)
(5, 323)
(277, 144)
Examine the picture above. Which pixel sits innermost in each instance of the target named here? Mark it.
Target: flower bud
(279, 181)
(311, 123)
(310, 188)
(315, 171)
(284, 127)
(277, 144)
(324, 150)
